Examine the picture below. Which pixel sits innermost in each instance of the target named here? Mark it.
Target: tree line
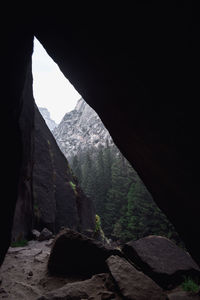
(125, 206)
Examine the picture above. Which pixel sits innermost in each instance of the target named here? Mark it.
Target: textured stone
(28, 252)
(132, 283)
(80, 130)
(30, 273)
(41, 257)
(23, 217)
(76, 254)
(162, 260)
(35, 234)
(45, 235)
(56, 203)
(182, 295)
(93, 289)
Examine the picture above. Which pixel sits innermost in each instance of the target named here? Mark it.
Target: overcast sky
(50, 88)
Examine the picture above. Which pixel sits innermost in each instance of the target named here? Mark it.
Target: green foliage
(97, 223)
(127, 209)
(98, 233)
(21, 243)
(88, 175)
(73, 186)
(189, 285)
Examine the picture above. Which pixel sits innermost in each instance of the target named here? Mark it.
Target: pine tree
(115, 199)
(100, 182)
(77, 168)
(88, 176)
(125, 206)
(107, 159)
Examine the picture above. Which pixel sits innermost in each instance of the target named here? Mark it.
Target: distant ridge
(81, 129)
(46, 116)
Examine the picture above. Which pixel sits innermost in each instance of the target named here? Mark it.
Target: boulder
(132, 283)
(75, 254)
(35, 234)
(45, 235)
(162, 260)
(182, 295)
(95, 288)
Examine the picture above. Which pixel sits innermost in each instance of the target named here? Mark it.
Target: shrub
(97, 223)
(189, 285)
(21, 243)
(73, 186)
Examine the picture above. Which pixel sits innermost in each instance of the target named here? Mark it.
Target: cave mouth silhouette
(46, 74)
(154, 121)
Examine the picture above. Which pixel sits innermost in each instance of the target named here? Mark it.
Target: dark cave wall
(56, 203)
(137, 67)
(137, 73)
(16, 50)
(23, 218)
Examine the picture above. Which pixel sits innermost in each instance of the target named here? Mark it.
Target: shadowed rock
(35, 234)
(76, 254)
(182, 295)
(58, 199)
(132, 283)
(162, 260)
(95, 288)
(45, 235)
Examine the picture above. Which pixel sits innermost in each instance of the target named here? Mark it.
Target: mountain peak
(80, 130)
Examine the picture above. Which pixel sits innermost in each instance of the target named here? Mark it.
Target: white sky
(50, 88)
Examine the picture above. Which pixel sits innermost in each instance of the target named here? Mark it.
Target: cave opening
(155, 125)
(125, 210)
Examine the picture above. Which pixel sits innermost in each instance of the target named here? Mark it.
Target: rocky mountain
(46, 116)
(121, 200)
(80, 130)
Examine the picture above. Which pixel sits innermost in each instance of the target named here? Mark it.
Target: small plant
(189, 285)
(98, 230)
(73, 186)
(97, 223)
(21, 243)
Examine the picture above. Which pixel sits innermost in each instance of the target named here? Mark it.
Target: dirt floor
(24, 275)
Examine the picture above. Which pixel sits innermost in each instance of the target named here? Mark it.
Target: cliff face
(23, 218)
(58, 199)
(48, 194)
(80, 130)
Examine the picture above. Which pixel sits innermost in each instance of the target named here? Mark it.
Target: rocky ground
(24, 272)
(24, 276)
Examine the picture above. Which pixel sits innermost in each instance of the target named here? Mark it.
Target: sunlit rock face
(80, 130)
